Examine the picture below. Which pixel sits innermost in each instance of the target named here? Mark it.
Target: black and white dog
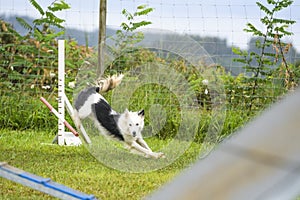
(125, 127)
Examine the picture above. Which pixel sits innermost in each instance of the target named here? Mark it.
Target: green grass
(75, 167)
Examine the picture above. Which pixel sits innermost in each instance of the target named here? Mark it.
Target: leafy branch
(28, 55)
(48, 16)
(261, 64)
(127, 34)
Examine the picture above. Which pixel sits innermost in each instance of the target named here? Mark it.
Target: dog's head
(134, 122)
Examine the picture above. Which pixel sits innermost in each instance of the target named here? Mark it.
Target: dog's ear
(126, 112)
(141, 113)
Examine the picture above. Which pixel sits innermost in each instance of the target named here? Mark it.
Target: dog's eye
(136, 124)
(130, 124)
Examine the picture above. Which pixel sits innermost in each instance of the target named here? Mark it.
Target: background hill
(218, 48)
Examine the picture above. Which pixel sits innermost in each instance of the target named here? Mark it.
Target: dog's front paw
(157, 155)
(161, 155)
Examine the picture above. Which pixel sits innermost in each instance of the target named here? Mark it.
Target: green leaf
(268, 42)
(240, 60)
(142, 6)
(125, 27)
(58, 6)
(284, 3)
(258, 44)
(37, 6)
(264, 8)
(267, 61)
(270, 54)
(143, 12)
(140, 24)
(237, 50)
(282, 30)
(50, 37)
(23, 23)
(38, 35)
(271, 2)
(252, 53)
(127, 14)
(283, 21)
(53, 20)
(254, 30)
(265, 20)
(38, 21)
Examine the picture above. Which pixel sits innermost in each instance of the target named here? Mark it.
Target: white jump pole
(61, 90)
(63, 137)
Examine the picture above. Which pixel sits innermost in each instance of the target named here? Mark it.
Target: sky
(222, 18)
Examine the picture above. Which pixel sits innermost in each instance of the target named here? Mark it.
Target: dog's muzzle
(134, 133)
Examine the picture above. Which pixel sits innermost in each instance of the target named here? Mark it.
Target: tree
(101, 37)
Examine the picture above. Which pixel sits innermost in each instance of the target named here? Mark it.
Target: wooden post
(101, 37)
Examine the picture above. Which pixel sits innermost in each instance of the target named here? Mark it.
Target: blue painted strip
(56, 186)
(7, 170)
(34, 178)
(69, 191)
(46, 182)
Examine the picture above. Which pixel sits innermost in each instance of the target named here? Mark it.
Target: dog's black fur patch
(141, 113)
(83, 96)
(109, 121)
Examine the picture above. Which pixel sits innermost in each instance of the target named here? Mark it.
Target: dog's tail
(109, 83)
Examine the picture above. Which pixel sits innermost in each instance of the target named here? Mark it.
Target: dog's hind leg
(76, 119)
(83, 112)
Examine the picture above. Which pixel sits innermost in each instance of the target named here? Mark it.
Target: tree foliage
(272, 49)
(128, 34)
(28, 62)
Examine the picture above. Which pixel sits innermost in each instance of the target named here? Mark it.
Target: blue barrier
(42, 184)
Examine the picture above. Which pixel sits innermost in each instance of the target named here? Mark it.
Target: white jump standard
(63, 137)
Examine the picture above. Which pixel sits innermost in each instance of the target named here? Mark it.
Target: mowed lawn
(75, 167)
